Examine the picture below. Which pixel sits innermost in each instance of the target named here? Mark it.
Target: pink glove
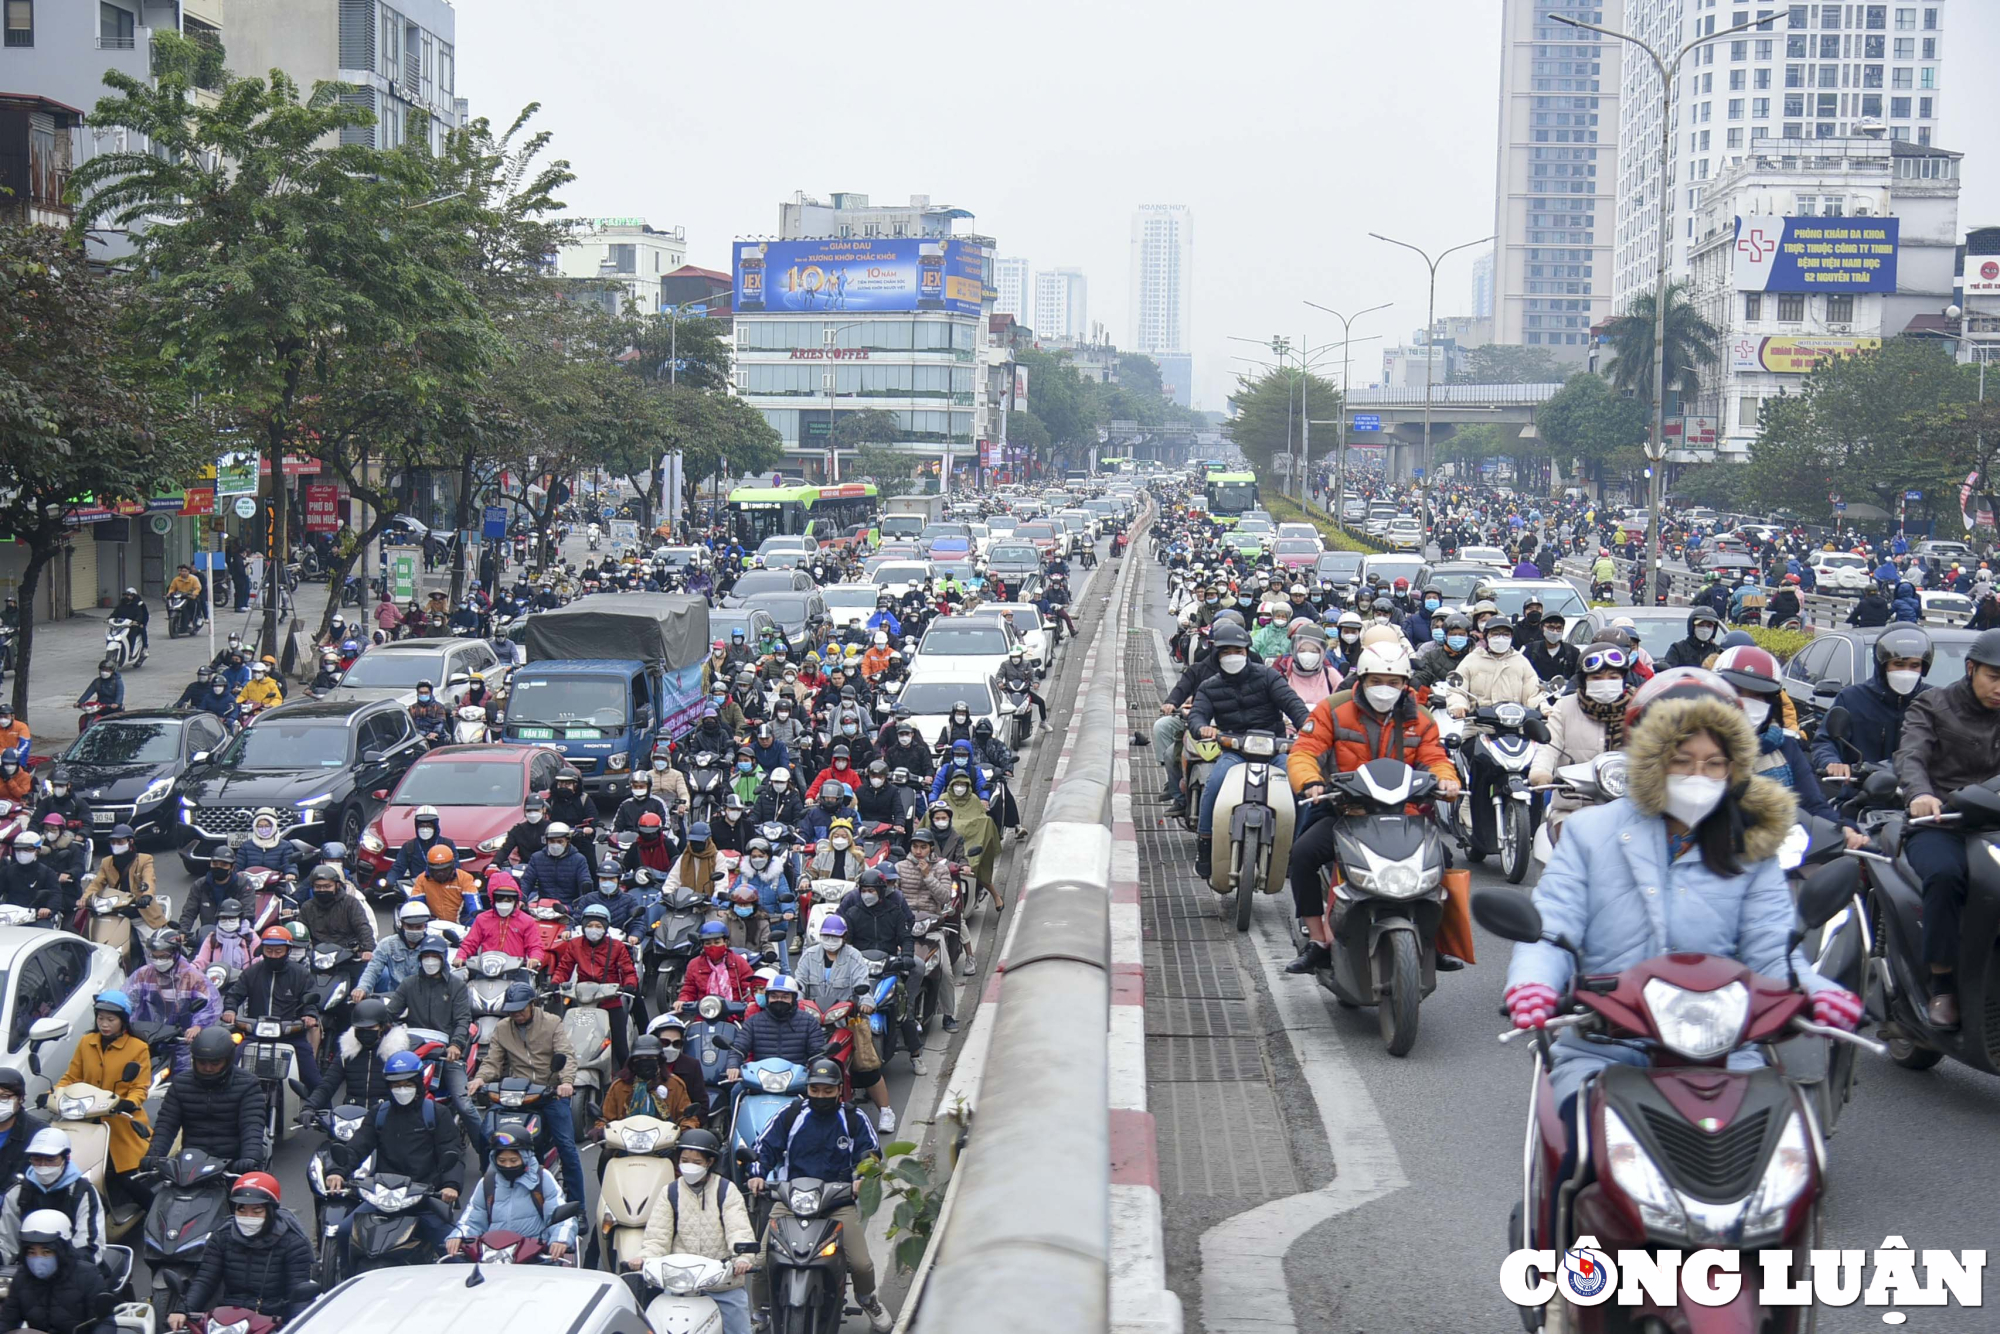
(1836, 1008)
(1531, 1004)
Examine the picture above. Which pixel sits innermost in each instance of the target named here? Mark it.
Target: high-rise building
(1061, 304)
(1014, 279)
(1482, 287)
(1162, 290)
(1815, 71)
(1549, 275)
(401, 58)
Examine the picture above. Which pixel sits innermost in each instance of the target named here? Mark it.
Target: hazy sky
(1291, 129)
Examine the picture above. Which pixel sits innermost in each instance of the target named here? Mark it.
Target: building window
(1899, 108)
(1927, 77)
(1930, 20)
(1791, 308)
(1764, 50)
(1736, 108)
(1906, 20)
(1900, 77)
(1829, 47)
(1871, 104)
(1829, 16)
(1737, 81)
(20, 22)
(1794, 130)
(1924, 134)
(1906, 48)
(1878, 18)
(1796, 47)
(1739, 50)
(1760, 108)
(1795, 104)
(115, 28)
(1795, 76)
(624, 258)
(1753, 305)
(1748, 410)
(1871, 76)
(1735, 138)
(1872, 48)
(1829, 76)
(1924, 107)
(1840, 310)
(1829, 104)
(1795, 17)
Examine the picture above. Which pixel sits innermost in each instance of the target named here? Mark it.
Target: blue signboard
(848, 275)
(1832, 255)
(493, 524)
(1367, 421)
(1913, 495)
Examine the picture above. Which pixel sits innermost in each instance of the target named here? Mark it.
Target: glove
(1836, 1008)
(125, 1105)
(1530, 1004)
(242, 1165)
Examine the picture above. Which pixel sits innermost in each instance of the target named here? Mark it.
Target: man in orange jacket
(1380, 721)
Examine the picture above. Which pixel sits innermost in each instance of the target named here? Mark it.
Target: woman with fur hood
(1684, 862)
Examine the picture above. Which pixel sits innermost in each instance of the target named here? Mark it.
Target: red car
(478, 792)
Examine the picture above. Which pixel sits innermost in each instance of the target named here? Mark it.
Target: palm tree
(1690, 346)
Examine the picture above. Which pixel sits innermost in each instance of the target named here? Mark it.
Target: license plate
(535, 733)
(104, 817)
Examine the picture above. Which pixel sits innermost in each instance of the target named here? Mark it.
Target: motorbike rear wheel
(1249, 876)
(1397, 1011)
(1517, 840)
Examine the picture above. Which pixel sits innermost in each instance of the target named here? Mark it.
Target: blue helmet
(698, 832)
(833, 924)
(784, 982)
(713, 930)
(403, 1065)
(114, 1000)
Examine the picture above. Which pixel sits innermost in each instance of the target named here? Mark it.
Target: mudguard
(1278, 795)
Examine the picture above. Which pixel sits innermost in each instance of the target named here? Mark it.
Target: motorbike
(122, 644)
(1603, 590)
(1592, 783)
(766, 1087)
(84, 1112)
(185, 615)
(886, 985)
(805, 1265)
(588, 1024)
(1020, 711)
(671, 941)
(390, 1236)
(1384, 896)
(639, 1162)
(267, 1052)
(684, 1282)
(1504, 735)
(501, 1247)
(1684, 1152)
(191, 1201)
(272, 892)
(1251, 846)
(469, 726)
(933, 958)
(487, 976)
(708, 785)
(514, 1105)
(113, 917)
(335, 969)
(1199, 756)
(712, 1038)
(331, 1207)
(593, 537)
(90, 713)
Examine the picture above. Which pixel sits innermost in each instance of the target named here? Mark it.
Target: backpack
(430, 1115)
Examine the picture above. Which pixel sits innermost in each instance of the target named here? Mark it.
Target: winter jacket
(410, 858)
(707, 1220)
(1782, 759)
(916, 757)
(926, 889)
(885, 926)
(827, 979)
(410, 1141)
(519, 935)
(1354, 734)
(267, 990)
(257, 1273)
(1197, 673)
(567, 878)
(394, 959)
(786, 807)
(607, 961)
(1950, 740)
(223, 1116)
(340, 920)
(280, 857)
(774, 892)
(439, 1004)
(1434, 664)
(71, 1196)
(1871, 609)
(33, 887)
(14, 1152)
(1554, 662)
(512, 1207)
(1493, 679)
(848, 773)
(354, 1077)
(729, 978)
(1311, 687)
(63, 1303)
(1254, 698)
(626, 908)
(1574, 738)
(105, 1067)
(1906, 606)
(963, 763)
(184, 997)
(524, 840)
(1689, 651)
(792, 1039)
(818, 820)
(1876, 715)
(528, 1050)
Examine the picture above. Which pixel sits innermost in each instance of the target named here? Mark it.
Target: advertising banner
(1794, 356)
(847, 275)
(1833, 255)
(403, 578)
(236, 474)
(1982, 275)
(1698, 433)
(322, 507)
(493, 522)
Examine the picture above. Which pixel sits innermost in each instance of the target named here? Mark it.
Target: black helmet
(704, 1141)
(648, 1045)
(823, 1072)
(1903, 641)
(1703, 615)
(568, 774)
(229, 908)
(1984, 650)
(982, 728)
(870, 879)
(213, 1043)
(370, 1013)
(1228, 634)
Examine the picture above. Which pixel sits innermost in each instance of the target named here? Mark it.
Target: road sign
(246, 507)
(403, 578)
(1416, 472)
(1913, 495)
(1840, 505)
(1367, 421)
(493, 522)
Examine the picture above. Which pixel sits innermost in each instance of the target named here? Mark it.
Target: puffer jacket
(1574, 738)
(1612, 888)
(1906, 605)
(1255, 698)
(1493, 679)
(827, 979)
(222, 1116)
(1875, 716)
(794, 1039)
(567, 878)
(258, 1273)
(1688, 651)
(64, 1301)
(1950, 740)
(885, 926)
(280, 857)
(341, 921)
(1313, 686)
(441, 1004)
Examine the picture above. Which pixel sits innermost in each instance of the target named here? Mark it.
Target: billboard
(1833, 255)
(855, 275)
(1793, 356)
(1982, 275)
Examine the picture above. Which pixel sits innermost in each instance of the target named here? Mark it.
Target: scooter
(1504, 735)
(469, 728)
(122, 644)
(671, 942)
(684, 1282)
(588, 1024)
(185, 615)
(84, 1112)
(1594, 782)
(487, 976)
(804, 1264)
(112, 917)
(639, 1162)
(268, 1053)
(331, 1207)
(1198, 756)
(766, 1088)
(1020, 711)
(1384, 896)
(191, 1201)
(390, 1236)
(1251, 846)
(334, 973)
(708, 785)
(1684, 1152)
(712, 1039)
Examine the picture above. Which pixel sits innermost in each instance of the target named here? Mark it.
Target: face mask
(164, 963)
(505, 907)
(432, 965)
(49, 1175)
(1691, 798)
(1704, 632)
(1382, 698)
(217, 690)
(870, 897)
(1430, 604)
(1456, 643)
(694, 1173)
(1552, 633)
(1233, 663)
(26, 857)
(826, 1104)
(1904, 682)
(940, 825)
(120, 848)
(533, 817)
(781, 1009)
(1604, 691)
(840, 843)
(1350, 637)
(423, 697)
(404, 1094)
(104, 676)
(593, 934)
(42, 1266)
(714, 953)
(1308, 659)
(9, 1106)
(249, 1226)
(367, 1037)
(831, 944)
(556, 847)
(514, 1173)
(1498, 644)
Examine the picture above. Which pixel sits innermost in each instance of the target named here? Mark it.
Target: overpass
(1401, 413)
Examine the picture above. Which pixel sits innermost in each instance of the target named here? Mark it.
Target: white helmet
(557, 830)
(1384, 659)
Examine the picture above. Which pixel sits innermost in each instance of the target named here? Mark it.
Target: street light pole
(1656, 447)
(1340, 450)
(1430, 323)
(833, 449)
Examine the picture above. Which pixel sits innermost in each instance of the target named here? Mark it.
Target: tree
(1586, 423)
(1064, 401)
(1025, 431)
(1506, 363)
(1690, 346)
(1269, 414)
(869, 426)
(82, 416)
(262, 252)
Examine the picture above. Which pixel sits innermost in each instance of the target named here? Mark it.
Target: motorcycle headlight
(239, 1327)
(1699, 1025)
(804, 1203)
(1509, 714)
(1611, 774)
(102, 903)
(74, 1109)
(774, 1081)
(1259, 747)
(156, 790)
(641, 1141)
(509, 1099)
(1787, 1174)
(492, 965)
(1632, 1170)
(388, 1201)
(344, 1128)
(502, 1256)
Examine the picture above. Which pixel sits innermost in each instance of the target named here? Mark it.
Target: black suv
(318, 763)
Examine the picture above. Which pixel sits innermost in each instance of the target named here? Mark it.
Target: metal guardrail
(1819, 611)
(1027, 1243)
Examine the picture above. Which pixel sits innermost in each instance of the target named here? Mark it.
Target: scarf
(1611, 717)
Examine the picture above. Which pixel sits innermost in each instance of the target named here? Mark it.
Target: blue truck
(608, 678)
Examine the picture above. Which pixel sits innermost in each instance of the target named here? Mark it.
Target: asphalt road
(1408, 1167)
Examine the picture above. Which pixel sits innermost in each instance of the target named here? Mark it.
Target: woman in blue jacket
(1684, 861)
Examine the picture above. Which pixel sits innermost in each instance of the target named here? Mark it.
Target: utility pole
(1340, 455)
(1430, 322)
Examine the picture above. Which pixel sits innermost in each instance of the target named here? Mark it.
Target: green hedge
(1287, 510)
(1781, 644)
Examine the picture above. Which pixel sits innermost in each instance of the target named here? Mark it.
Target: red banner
(322, 508)
(197, 500)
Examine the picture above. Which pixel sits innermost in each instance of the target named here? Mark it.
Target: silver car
(51, 982)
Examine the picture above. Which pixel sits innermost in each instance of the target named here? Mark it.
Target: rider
(171, 990)
(220, 1110)
(527, 1045)
(515, 1195)
(817, 1137)
(1586, 721)
(58, 1287)
(717, 970)
(111, 1058)
(260, 691)
(592, 956)
(231, 942)
(1780, 757)
(1441, 657)
(358, 1075)
(261, 1264)
(1951, 739)
(50, 1180)
(558, 871)
(1016, 674)
(445, 889)
(879, 918)
(107, 691)
(436, 998)
(503, 926)
(1494, 674)
(1703, 626)
(411, 857)
(1242, 696)
(274, 987)
(1877, 706)
(410, 1136)
(1551, 655)
(265, 848)
(716, 1224)
(335, 916)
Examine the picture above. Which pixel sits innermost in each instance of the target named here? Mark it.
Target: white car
(1026, 618)
(934, 689)
(1298, 530)
(392, 671)
(50, 981)
(1493, 556)
(974, 646)
(1942, 607)
(898, 577)
(850, 604)
(1404, 534)
(1841, 572)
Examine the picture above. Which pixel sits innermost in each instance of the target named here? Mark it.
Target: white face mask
(1307, 659)
(1904, 682)
(1704, 632)
(49, 1175)
(25, 856)
(1382, 698)
(694, 1173)
(9, 1106)
(229, 926)
(1604, 691)
(120, 848)
(1758, 712)
(593, 934)
(1233, 663)
(404, 1094)
(432, 965)
(1499, 644)
(832, 944)
(1691, 798)
(248, 1226)
(505, 907)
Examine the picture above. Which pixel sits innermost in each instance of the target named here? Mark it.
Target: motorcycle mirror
(1878, 785)
(1838, 723)
(747, 1247)
(974, 854)
(1828, 890)
(1508, 914)
(306, 1292)
(573, 1209)
(176, 1281)
(131, 1071)
(1535, 730)
(1826, 689)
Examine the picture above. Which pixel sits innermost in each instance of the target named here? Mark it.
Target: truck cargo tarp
(662, 630)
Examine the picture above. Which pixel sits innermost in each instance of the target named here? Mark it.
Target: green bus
(1230, 495)
(836, 515)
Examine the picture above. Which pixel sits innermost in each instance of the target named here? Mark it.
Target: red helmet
(1748, 667)
(649, 822)
(276, 935)
(1792, 579)
(1604, 551)
(256, 1188)
(1678, 683)
(1401, 584)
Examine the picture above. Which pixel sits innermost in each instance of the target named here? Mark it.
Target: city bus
(833, 514)
(1230, 495)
